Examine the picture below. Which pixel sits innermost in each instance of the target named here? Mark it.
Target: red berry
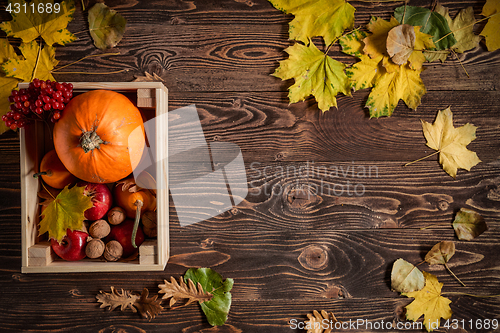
(14, 93)
(9, 122)
(17, 116)
(21, 123)
(39, 110)
(47, 107)
(18, 105)
(5, 118)
(13, 127)
(56, 115)
(55, 105)
(59, 86)
(17, 99)
(39, 103)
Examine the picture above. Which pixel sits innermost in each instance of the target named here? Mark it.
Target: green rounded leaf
(106, 26)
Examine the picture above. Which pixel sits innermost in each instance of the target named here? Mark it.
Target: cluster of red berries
(42, 100)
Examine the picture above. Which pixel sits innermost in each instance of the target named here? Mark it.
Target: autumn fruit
(134, 201)
(100, 136)
(72, 246)
(101, 199)
(53, 172)
(123, 234)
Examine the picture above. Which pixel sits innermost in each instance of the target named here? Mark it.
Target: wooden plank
(308, 195)
(267, 129)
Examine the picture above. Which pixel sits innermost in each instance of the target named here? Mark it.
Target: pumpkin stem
(139, 205)
(43, 173)
(90, 140)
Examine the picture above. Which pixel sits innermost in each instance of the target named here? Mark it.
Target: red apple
(101, 198)
(123, 234)
(72, 246)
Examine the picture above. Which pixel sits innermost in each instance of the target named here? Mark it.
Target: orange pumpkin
(53, 172)
(100, 136)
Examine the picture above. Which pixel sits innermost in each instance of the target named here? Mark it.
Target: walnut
(113, 251)
(116, 215)
(149, 221)
(99, 229)
(95, 248)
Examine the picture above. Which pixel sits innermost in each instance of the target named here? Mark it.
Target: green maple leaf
(29, 25)
(217, 308)
(25, 69)
(325, 18)
(66, 211)
(315, 74)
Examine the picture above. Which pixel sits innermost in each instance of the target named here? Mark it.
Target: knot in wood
(301, 198)
(314, 258)
(443, 205)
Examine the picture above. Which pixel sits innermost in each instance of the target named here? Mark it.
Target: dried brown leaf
(316, 320)
(440, 253)
(400, 43)
(148, 78)
(114, 299)
(181, 290)
(468, 224)
(148, 307)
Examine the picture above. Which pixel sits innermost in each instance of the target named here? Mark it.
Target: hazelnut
(113, 251)
(149, 219)
(99, 229)
(116, 215)
(95, 248)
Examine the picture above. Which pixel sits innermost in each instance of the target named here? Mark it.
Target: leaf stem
(86, 57)
(456, 55)
(423, 158)
(37, 59)
(43, 185)
(456, 277)
(95, 73)
(471, 295)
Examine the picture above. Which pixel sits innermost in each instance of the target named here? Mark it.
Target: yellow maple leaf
(7, 84)
(429, 303)
(315, 74)
(66, 211)
(388, 87)
(490, 31)
(30, 68)
(451, 142)
(30, 22)
(325, 18)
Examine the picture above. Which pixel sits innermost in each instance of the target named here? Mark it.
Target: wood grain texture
(289, 247)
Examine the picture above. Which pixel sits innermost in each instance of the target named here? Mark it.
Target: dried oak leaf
(178, 291)
(315, 73)
(316, 320)
(28, 24)
(451, 142)
(148, 78)
(429, 303)
(491, 9)
(468, 224)
(7, 84)
(405, 277)
(325, 18)
(114, 299)
(148, 307)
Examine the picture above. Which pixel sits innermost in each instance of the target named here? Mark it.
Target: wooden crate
(37, 255)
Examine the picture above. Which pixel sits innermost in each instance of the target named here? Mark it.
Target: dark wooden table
(288, 253)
